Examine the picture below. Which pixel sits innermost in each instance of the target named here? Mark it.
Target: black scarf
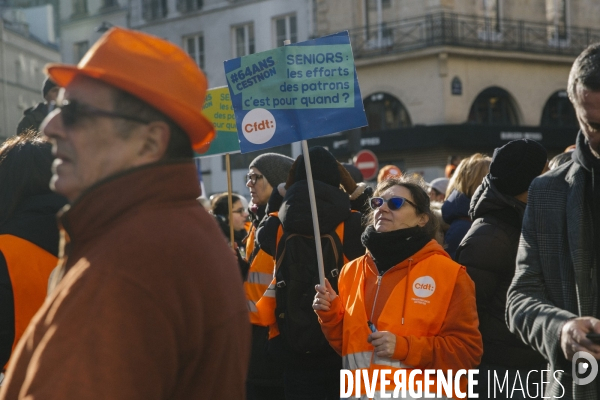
(391, 248)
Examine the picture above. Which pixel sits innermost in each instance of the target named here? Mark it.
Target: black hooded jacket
(35, 221)
(489, 251)
(333, 207)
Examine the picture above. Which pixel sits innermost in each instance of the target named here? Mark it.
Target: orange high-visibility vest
(29, 268)
(430, 286)
(267, 304)
(260, 275)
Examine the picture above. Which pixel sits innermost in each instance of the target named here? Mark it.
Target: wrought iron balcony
(450, 29)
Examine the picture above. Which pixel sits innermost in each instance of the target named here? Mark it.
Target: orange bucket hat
(152, 69)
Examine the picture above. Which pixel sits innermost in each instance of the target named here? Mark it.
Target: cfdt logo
(424, 286)
(259, 126)
(584, 368)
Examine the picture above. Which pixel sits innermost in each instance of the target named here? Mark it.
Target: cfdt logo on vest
(258, 126)
(424, 286)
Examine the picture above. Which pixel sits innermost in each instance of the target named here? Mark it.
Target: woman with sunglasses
(405, 304)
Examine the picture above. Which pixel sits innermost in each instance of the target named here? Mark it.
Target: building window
(79, 50)
(372, 5)
(378, 34)
(557, 17)
(385, 111)
(243, 40)
(559, 111)
(494, 106)
(194, 45)
(79, 7)
(285, 28)
(491, 27)
(18, 72)
(154, 9)
(189, 5)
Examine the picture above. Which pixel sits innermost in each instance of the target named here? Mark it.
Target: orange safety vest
(259, 275)
(267, 304)
(430, 286)
(29, 268)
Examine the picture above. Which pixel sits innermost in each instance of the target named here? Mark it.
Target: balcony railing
(449, 29)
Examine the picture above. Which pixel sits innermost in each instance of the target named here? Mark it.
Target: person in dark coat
(314, 376)
(265, 172)
(489, 251)
(33, 116)
(553, 302)
(28, 234)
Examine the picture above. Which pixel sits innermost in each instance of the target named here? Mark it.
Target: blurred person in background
(455, 210)
(265, 172)
(28, 233)
(436, 190)
(388, 171)
(375, 323)
(220, 209)
(33, 116)
(489, 252)
(451, 165)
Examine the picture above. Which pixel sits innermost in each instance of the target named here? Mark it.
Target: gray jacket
(555, 278)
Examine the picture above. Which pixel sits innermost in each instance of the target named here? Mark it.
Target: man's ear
(155, 141)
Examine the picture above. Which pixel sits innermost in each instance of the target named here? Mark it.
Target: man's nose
(52, 125)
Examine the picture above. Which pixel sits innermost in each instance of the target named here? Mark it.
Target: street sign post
(366, 161)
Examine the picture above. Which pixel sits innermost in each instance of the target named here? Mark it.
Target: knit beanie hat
(354, 172)
(323, 165)
(48, 85)
(516, 164)
(273, 166)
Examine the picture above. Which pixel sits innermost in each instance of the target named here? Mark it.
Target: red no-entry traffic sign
(366, 162)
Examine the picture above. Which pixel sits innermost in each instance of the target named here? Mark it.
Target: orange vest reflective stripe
(260, 275)
(430, 286)
(267, 304)
(29, 268)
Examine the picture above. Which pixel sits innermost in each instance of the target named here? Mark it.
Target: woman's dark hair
(25, 170)
(221, 206)
(416, 186)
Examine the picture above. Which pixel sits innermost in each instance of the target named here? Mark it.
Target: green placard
(218, 109)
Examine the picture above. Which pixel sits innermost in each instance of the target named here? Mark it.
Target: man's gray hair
(585, 71)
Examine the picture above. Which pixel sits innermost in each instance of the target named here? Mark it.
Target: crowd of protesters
(135, 292)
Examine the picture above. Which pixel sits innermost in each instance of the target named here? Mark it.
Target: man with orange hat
(147, 301)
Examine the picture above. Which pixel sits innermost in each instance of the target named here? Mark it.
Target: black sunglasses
(253, 178)
(72, 110)
(394, 203)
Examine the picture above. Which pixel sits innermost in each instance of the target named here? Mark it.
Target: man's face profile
(587, 107)
(89, 148)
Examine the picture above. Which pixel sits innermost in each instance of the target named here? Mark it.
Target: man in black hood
(313, 375)
(553, 302)
(33, 116)
(489, 251)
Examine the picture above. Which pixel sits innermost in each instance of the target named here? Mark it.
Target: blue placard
(296, 92)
